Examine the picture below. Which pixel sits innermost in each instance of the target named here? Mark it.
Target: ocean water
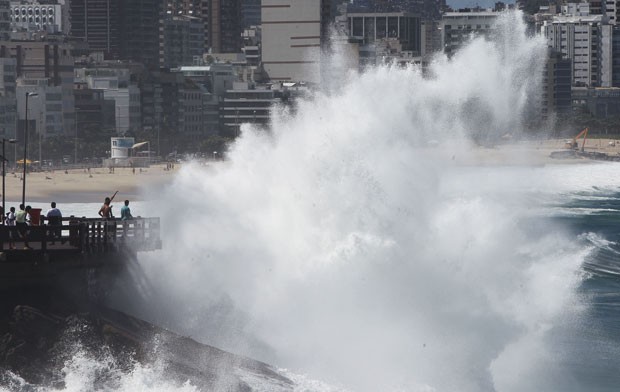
(349, 248)
(551, 321)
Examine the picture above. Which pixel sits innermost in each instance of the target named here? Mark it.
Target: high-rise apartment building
(92, 110)
(224, 31)
(557, 80)
(49, 67)
(139, 31)
(615, 48)
(608, 8)
(191, 117)
(8, 101)
(596, 7)
(587, 41)
(5, 20)
(97, 22)
(8, 70)
(250, 13)
(115, 82)
(458, 27)
(185, 7)
(246, 104)
(122, 29)
(293, 33)
(427, 9)
(35, 16)
(373, 27)
(183, 41)
(222, 21)
(45, 113)
(192, 8)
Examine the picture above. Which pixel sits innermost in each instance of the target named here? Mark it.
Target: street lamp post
(4, 174)
(75, 160)
(158, 150)
(237, 127)
(28, 95)
(39, 129)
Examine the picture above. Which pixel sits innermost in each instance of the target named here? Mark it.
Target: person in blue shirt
(125, 211)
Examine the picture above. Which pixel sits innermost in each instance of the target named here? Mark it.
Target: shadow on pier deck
(77, 243)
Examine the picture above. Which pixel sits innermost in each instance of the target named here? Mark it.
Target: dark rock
(564, 154)
(38, 345)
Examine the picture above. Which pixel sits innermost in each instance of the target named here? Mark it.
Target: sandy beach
(80, 186)
(523, 153)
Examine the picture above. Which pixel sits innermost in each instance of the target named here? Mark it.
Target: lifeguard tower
(120, 151)
(123, 153)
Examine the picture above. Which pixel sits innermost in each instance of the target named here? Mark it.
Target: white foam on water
(84, 371)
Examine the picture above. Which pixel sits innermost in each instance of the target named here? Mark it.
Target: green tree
(215, 143)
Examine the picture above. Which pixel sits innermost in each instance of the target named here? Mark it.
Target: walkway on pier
(80, 236)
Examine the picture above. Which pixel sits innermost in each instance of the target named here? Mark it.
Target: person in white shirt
(22, 220)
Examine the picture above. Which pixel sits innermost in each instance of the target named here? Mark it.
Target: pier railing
(84, 235)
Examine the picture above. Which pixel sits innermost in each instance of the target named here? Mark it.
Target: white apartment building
(575, 9)
(606, 8)
(458, 27)
(126, 101)
(32, 16)
(292, 34)
(587, 40)
(116, 87)
(247, 104)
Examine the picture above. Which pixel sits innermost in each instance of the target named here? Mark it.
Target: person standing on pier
(54, 217)
(28, 216)
(106, 209)
(10, 221)
(126, 211)
(22, 226)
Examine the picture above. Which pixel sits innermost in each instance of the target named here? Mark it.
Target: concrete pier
(78, 246)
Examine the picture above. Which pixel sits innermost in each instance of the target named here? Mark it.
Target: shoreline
(532, 153)
(82, 186)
